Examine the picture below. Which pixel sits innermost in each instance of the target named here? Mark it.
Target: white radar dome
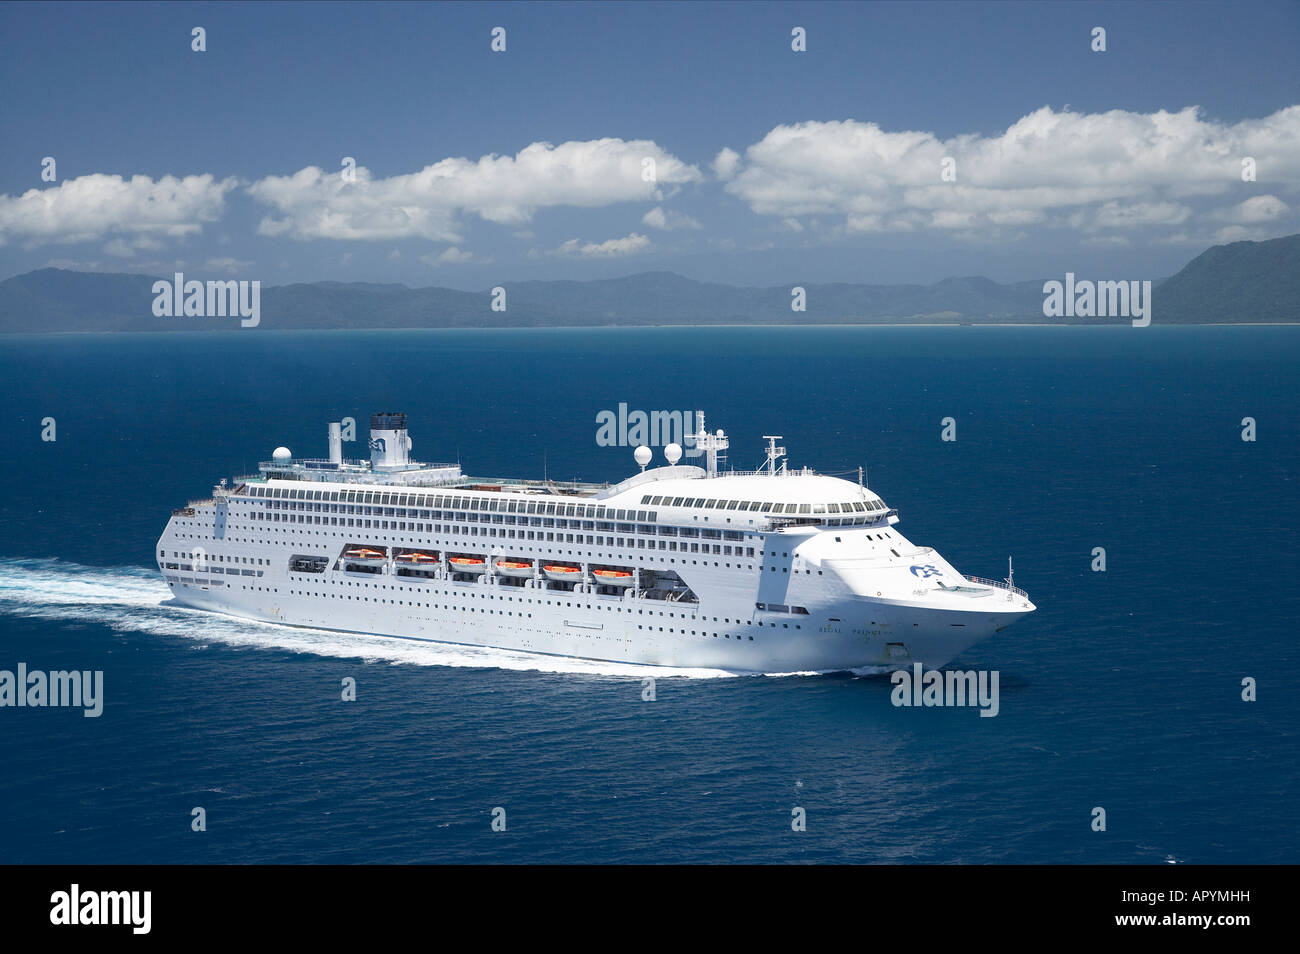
(642, 455)
(281, 453)
(673, 452)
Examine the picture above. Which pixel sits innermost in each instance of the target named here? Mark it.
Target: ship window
(733, 504)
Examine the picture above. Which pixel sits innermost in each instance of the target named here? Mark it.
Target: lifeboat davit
(614, 577)
(463, 564)
(565, 574)
(514, 568)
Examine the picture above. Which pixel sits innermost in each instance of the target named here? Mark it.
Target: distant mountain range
(1241, 282)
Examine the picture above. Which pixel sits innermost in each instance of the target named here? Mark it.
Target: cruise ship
(680, 565)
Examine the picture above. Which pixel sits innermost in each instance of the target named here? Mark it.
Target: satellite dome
(642, 455)
(674, 453)
(281, 453)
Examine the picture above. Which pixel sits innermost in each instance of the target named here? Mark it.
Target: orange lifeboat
(516, 568)
(563, 573)
(419, 559)
(363, 553)
(614, 577)
(464, 564)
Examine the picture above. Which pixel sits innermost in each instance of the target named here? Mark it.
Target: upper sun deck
(413, 474)
(774, 498)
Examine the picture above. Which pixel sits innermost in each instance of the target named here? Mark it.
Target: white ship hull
(718, 585)
(583, 630)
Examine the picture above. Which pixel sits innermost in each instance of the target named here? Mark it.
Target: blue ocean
(1122, 692)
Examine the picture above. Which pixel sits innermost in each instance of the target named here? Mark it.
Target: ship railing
(347, 467)
(1000, 584)
(778, 522)
(553, 486)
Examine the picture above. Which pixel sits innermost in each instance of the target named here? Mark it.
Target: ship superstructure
(680, 565)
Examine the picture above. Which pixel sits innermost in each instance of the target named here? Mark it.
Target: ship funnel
(389, 445)
(336, 443)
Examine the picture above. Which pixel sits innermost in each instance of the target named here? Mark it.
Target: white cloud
(122, 248)
(93, 207)
(612, 248)
(231, 266)
(1113, 171)
(726, 163)
(453, 256)
(428, 204)
(1260, 208)
(668, 220)
(1106, 241)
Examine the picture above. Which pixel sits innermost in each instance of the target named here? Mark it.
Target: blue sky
(773, 166)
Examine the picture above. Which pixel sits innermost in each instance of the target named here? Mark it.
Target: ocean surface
(1123, 691)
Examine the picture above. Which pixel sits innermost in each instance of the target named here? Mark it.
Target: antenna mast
(774, 453)
(711, 444)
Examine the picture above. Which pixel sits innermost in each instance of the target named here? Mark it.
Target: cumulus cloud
(1260, 208)
(508, 190)
(612, 248)
(96, 206)
(668, 220)
(1100, 172)
(726, 163)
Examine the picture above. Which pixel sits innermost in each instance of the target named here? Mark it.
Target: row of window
(489, 504)
(856, 506)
